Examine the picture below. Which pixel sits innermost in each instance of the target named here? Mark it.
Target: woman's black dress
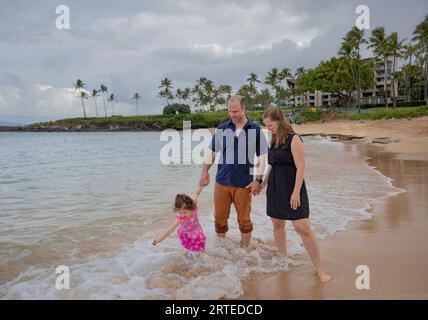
(281, 184)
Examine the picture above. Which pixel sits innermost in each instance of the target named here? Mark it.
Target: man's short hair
(238, 98)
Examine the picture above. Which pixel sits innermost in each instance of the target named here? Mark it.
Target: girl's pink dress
(190, 232)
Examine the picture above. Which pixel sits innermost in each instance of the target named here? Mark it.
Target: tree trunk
(385, 79)
(136, 105)
(359, 90)
(83, 107)
(96, 107)
(425, 80)
(409, 83)
(393, 89)
(104, 102)
(354, 75)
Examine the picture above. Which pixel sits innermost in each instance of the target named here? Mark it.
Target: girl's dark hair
(183, 201)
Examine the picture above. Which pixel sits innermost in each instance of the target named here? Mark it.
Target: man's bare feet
(243, 245)
(245, 240)
(283, 256)
(324, 277)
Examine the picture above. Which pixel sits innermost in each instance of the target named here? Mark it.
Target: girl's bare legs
(279, 235)
(303, 228)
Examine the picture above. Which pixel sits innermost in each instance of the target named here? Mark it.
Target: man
(238, 140)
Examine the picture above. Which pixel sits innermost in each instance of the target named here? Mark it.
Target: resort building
(370, 96)
(312, 99)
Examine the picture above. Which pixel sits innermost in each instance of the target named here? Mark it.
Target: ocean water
(95, 201)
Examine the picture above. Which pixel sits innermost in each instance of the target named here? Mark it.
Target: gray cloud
(130, 46)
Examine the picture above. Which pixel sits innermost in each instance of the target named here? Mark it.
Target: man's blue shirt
(237, 152)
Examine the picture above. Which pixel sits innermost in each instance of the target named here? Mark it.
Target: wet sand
(393, 244)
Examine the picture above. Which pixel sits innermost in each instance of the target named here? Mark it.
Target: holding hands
(255, 188)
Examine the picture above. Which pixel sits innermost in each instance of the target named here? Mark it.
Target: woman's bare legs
(303, 228)
(280, 237)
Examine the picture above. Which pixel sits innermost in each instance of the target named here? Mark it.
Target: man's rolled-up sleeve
(262, 146)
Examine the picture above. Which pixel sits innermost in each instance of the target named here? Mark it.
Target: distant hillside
(9, 124)
(207, 120)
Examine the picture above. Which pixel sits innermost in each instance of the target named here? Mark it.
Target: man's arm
(256, 185)
(208, 162)
(261, 152)
(261, 165)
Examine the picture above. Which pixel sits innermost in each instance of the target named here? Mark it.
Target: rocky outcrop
(156, 126)
(385, 140)
(340, 137)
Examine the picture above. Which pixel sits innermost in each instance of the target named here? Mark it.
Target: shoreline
(391, 243)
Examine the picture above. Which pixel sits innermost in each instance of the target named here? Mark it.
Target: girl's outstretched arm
(196, 194)
(167, 232)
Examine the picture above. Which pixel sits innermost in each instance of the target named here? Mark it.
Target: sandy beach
(392, 244)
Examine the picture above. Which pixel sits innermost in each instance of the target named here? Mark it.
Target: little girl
(189, 231)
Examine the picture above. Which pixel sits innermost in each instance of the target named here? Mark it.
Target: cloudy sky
(131, 45)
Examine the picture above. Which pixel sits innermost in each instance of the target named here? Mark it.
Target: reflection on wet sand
(392, 244)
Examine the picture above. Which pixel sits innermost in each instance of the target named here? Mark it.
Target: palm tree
(253, 79)
(285, 74)
(396, 49)
(83, 95)
(420, 35)
(166, 93)
(136, 96)
(419, 61)
(210, 94)
(94, 95)
(356, 38)
(185, 95)
(225, 91)
(204, 93)
(265, 97)
(111, 99)
(197, 93)
(104, 89)
(179, 94)
(272, 78)
(380, 44)
(409, 52)
(299, 72)
(350, 50)
(79, 86)
(253, 91)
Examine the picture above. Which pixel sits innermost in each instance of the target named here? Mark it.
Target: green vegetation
(213, 119)
(176, 108)
(397, 113)
(369, 114)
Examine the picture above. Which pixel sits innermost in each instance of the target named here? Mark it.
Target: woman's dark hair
(183, 201)
(284, 127)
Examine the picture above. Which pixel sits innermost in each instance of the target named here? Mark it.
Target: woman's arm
(167, 232)
(266, 179)
(298, 151)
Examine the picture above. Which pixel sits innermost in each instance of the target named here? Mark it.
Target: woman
(287, 197)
